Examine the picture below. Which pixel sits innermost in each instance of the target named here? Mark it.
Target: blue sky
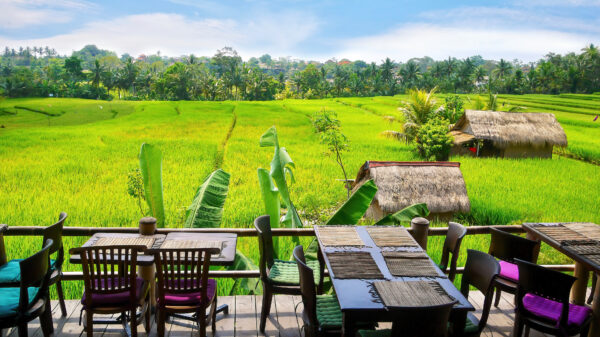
(317, 30)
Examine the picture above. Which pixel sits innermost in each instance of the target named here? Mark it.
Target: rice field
(74, 155)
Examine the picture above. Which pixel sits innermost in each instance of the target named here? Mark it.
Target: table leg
(595, 326)
(459, 320)
(347, 325)
(148, 274)
(580, 286)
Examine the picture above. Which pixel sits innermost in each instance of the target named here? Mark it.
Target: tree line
(95, 73)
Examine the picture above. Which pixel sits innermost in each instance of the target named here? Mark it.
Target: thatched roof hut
(508, 134)
(400, 184)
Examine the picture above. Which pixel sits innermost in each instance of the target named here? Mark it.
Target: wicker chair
(507, 248)
(112, 286)
(30, 300)
(184, 287)
(456, 233)
(278, 276)
(543, 303)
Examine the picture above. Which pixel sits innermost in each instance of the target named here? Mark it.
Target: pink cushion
(550, 309)
(509, 271)
(193, 298)
(116, 299)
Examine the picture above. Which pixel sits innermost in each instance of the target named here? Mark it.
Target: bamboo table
(356, 298)
(583, 263)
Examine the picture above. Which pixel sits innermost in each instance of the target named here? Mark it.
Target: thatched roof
(508, 128)
(400, 184)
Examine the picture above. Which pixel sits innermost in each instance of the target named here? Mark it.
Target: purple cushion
(115, 299)
(509, 271)
(192, 298)
(550, 309)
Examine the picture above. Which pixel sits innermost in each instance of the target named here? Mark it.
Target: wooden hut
(507, 134)
(400, 184)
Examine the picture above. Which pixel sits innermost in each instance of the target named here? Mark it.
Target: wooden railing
(241, 232)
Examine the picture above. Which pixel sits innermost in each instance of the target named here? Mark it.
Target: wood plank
(71, 327)
(57, 320)
(176, 327)
(34, 326)
(298, 308)
(271, 328)
(226, 323)
(245, 316)
(286, 316)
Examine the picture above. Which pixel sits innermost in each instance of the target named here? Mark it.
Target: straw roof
(400, 184)
(507, 128)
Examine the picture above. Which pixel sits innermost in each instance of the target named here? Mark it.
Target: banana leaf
(270, 196)
(151, 170)
(404, 215)
(355, 207)
(281, 166)
(250, 285)
(207, 208)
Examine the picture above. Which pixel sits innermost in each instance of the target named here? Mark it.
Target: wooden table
(356, 298)
(142, 260)
(583, 264)
(227, 255)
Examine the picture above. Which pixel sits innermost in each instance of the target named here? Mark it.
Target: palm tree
(96, 73)
(504, 69)
(421, 107)
(410, 74)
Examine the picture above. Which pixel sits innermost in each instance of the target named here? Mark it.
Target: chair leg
(133, 323)
(518, 327)
(160, 322)
(61, 298)
(202, 322)
(266, 307)
(214, 316)
(46, 320)
(148, 318)
(591, 298)
(89, 323)
(498, 295)
(527, 330)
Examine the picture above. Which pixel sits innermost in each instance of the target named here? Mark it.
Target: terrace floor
(243, 317)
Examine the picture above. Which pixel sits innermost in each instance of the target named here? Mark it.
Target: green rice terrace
(75, 155)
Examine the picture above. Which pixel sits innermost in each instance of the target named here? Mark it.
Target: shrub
(433, 140)
(453, 109)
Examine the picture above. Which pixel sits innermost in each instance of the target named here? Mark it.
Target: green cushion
(329, 313)
(11, 271)
(471, 326)
(375, 333)
(286, 272)
(10, 300)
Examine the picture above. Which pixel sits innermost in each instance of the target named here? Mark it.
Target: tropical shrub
(433, 140)
(421, 107)
(453, 109)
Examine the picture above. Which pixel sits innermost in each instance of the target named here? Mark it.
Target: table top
(589, 232)
(359, 294)
(225, 258)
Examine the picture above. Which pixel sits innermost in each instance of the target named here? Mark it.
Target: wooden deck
(243, 317)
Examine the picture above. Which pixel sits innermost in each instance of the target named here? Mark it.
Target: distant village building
(507, 134)
(400, 184)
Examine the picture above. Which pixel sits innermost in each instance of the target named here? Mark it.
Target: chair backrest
(34, 273)
(430, 321)
(265, 243)
(480, 271)
(508, 247)
(109, 270)
(307, 289)
(456, 233)
(182, 271)
(543, 282)
(54, 233)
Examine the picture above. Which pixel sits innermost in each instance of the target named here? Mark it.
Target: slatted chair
(111, 285)
(456, 233)
(184, 287)
(278, 276)
(11, 273)
(543, 303)
(426, 321)
(30, 300)
(480, 271)
(508, 247)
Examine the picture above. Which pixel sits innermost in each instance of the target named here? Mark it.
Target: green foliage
(421, 107)
(453, 109)
(135, 187)
(354, 208)
(248, 285)
(404, 215)
(151, 171)
(270, 196)
(207, 208)
(433, 140)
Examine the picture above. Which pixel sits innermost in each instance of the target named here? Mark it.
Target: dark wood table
(142, 260)
(583, 263)
(356, 298)
(227, 255)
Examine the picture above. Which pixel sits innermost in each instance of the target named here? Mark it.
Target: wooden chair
(278, 276)
(480, 271)
(111, 285)
(430, 321)
(507, 248)
(30, 300)
(184, 287)
(456, 233)
(543, 303)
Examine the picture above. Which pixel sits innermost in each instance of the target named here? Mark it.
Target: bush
(433, 140)
(453, 109)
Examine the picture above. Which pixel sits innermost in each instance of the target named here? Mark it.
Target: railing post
(3, 258)
(420, 229)
(148, 227)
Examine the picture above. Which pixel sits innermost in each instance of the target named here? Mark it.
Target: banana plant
(270, 196)
(207, 208)
(404, 215)
(151, 170)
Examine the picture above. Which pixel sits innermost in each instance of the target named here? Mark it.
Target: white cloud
(441, 41)
(558, 3)
(17, 14)
(175, 34)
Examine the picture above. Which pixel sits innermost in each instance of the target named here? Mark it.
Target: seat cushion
(116, 299)
(551, 310)
(286, 272)
(192, 298)
(471, 325)
(329, 313)
(10, 300)
(375, 333)
(509, 271)
(11, 271)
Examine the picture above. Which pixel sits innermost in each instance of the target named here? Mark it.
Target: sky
(319, 30)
